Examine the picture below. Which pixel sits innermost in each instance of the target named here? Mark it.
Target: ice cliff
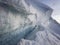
(28, 21)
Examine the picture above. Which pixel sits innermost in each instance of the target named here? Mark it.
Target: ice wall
(14, 24)
(16, 20)
(44, 16)
(44, 19)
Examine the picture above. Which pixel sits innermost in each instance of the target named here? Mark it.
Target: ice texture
(42, 38)
(27, 22)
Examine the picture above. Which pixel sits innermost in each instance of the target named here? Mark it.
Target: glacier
(27, 22)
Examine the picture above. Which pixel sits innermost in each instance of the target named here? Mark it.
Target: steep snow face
(42, 38)
(15, 24)
(14, 18)
(44, 16)
(54, 4)
(22, 21)
(41, 16)
(57, 18)
(19, 5)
